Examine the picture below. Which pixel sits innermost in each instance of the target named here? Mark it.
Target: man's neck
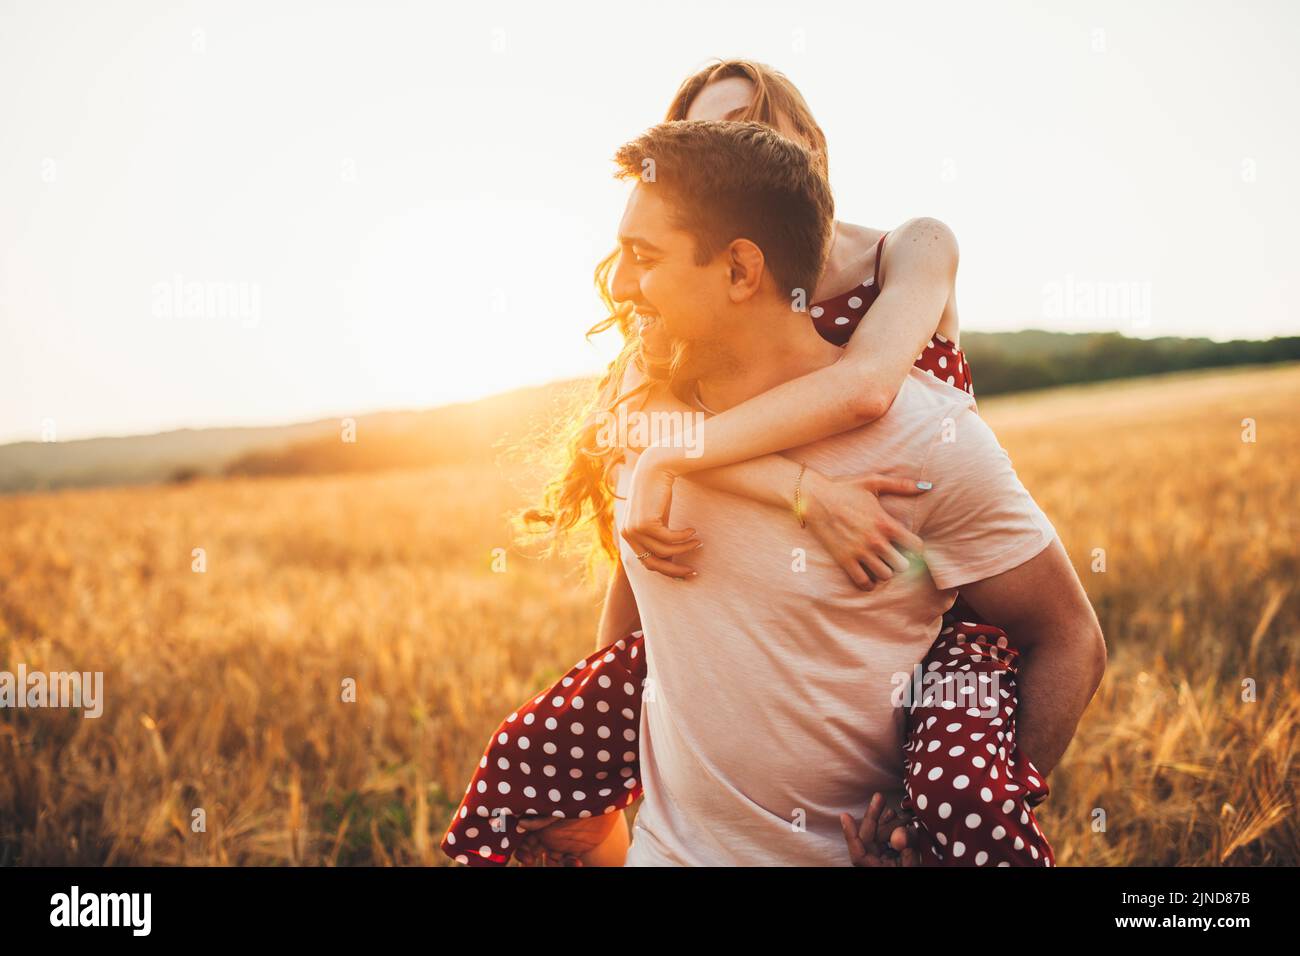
(777, 345)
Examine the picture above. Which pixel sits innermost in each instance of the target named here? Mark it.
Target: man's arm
(986, 536)
(620, 616)
(1049, 620)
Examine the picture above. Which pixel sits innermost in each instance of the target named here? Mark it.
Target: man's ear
(746, 264)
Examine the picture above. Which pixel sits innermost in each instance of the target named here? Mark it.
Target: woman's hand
(646, 529)
(865, 540)
(556, 841)
(844, 514)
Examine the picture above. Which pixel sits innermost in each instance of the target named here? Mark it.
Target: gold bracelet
(798, 500)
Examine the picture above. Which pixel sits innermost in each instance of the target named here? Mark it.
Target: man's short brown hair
(739, 180)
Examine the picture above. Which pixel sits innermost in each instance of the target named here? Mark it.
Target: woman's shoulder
(933, 236)
(928, 228)
(924, 249)
(922, 243)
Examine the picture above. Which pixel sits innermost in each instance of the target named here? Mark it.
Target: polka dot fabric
(972, 794)
(572, 750)
(837, 318)
(947, 363)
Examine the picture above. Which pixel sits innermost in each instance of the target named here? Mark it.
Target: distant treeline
(481, 431)
(509, 424)
(1018, 361)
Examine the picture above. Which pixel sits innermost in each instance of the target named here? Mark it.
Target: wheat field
(223, 694)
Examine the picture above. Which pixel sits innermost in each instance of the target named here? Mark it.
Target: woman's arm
(844, 514)
(922, 261)
(860, 387)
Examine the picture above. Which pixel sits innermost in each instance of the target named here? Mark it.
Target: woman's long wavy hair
(578, 503)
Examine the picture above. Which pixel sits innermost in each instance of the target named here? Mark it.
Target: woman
(908, 283)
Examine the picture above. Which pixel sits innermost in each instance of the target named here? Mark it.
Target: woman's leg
(613, 851)
(569, 751)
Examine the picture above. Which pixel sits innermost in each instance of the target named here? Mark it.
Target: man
(768, 713)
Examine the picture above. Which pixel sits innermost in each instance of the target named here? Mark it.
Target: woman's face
(727, 99)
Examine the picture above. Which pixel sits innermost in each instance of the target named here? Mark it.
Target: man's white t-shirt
(768, 708)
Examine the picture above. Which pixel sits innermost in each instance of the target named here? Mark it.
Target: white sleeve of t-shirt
(978, 520)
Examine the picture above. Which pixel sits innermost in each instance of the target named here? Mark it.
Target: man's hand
(553, 841)
(882, 838)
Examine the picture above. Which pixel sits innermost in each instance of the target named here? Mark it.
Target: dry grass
(224, 688)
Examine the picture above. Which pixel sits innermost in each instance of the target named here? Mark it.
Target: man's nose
(624, 286)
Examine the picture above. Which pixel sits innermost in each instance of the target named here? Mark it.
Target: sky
(243, 213)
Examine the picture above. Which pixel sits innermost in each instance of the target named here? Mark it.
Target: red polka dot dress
(971, 792)
(837, 318)
(571, 750)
